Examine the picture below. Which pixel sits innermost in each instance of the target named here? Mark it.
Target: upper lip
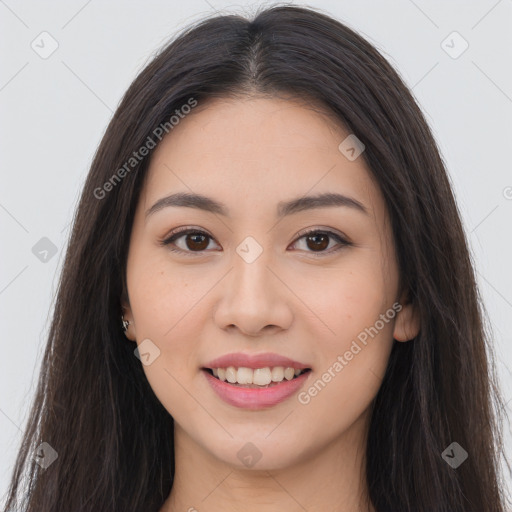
(239, 359)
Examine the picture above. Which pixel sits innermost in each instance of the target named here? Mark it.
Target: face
(317, 285)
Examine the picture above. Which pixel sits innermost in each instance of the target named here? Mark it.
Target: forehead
(253, 151)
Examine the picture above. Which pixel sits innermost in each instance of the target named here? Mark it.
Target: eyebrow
(284, 208)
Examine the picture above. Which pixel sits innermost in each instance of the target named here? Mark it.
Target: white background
(54, 112)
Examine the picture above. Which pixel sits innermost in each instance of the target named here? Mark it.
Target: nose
(253, 299)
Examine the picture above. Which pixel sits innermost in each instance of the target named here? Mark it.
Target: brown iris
(321, 245)
(197, 243)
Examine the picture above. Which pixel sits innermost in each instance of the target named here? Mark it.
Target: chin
(252, 454)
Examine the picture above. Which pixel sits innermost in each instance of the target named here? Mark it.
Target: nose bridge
(251, 299)
(251, 277)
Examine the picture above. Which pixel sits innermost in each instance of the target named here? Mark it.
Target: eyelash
(178, 233)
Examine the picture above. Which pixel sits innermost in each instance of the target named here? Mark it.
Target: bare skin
(301, 299)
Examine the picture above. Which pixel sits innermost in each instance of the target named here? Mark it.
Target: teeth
(258, 376)
(245, 376)
(231, 374)
(261, 376)
(277, 374)
(289, 373)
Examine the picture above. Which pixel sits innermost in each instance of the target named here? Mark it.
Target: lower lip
(254, 398)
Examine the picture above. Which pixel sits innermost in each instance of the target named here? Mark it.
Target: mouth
(260, 378)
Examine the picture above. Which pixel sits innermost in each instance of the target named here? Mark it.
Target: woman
(267, 301)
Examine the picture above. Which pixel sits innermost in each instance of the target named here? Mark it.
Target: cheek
(166, 305)
(351, 366)
(163, 296)
(353, 326)
(345, 300)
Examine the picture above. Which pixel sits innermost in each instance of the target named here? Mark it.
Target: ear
(407, 323)
(127, 315)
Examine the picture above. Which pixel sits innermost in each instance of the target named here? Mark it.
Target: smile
(252, 395)
(257, 377)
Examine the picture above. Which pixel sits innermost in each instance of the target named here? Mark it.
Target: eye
(318, 240)
(196, 241)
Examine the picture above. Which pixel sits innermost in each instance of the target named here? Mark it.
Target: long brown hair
(94, 405)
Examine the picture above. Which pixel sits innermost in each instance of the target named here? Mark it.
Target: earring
(126, 323)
